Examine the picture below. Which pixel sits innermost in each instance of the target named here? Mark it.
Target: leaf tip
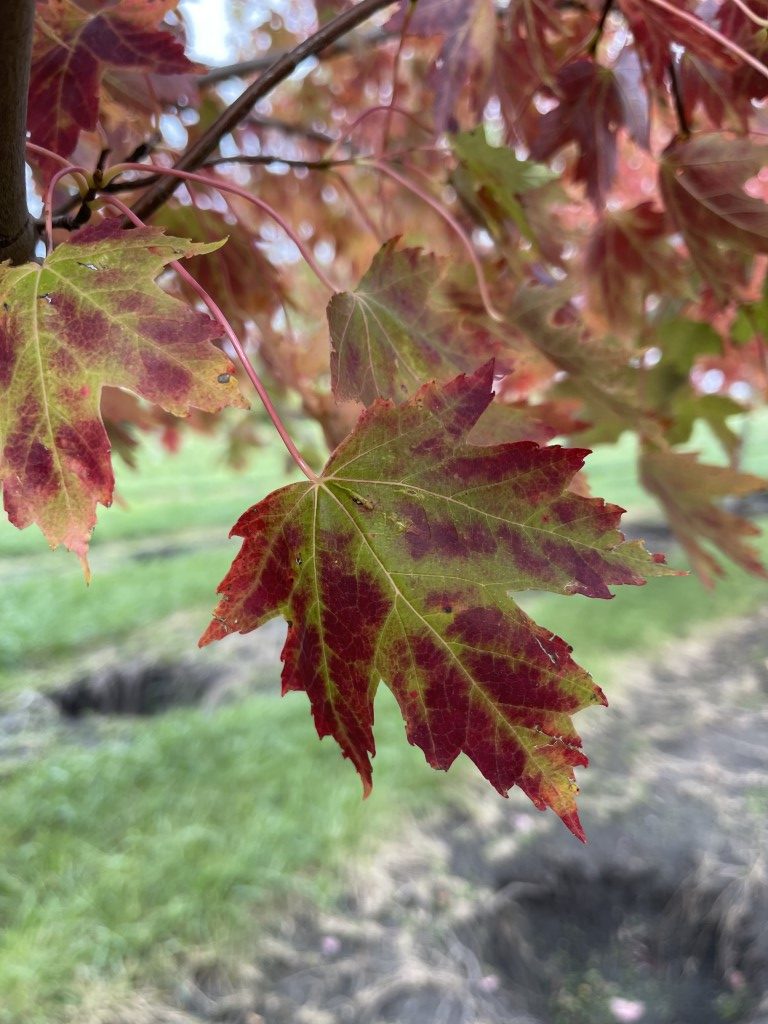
(86, 569)
(571, 821)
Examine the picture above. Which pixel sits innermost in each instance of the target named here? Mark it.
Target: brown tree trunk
(17, 229)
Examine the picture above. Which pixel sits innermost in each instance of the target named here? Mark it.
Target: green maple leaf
(92, 315)
(501, 175)
(397, 565)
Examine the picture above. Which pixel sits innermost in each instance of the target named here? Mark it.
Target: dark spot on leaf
(363, 502)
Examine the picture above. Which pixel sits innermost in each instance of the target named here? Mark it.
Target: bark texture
(17, 229)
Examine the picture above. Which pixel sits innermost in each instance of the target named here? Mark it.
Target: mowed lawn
(176, 832)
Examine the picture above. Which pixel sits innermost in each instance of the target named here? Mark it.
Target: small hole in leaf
(88, 266)
(6, 307)
(223, 378)
(298, 559)
(447, 608)
(46, 296)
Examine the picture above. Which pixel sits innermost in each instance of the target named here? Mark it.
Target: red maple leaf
(628, 258)
(590, 113)
(465, 61)
(702, 183)
(655, 30)
(74, 42)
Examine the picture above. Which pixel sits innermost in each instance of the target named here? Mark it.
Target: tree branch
(677, 99)
(17, 229)
(250, 67)
(595, 40)
(200, 150)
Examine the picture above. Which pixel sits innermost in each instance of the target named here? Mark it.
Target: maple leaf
(687, 491)
(590, 113)
(397, 328)
(74, 42)
(523, 421)
(627, 259)
(701, 180)
(655, 31)
(465, 61)
(397, 566)
(745, 82)
(534, 39)
(91, 315)
(501, 175)
(599, 369)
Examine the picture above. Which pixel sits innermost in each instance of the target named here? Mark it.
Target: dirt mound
(137, 688)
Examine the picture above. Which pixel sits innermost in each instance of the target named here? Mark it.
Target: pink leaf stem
(451, 221)
(224, 186)
(725, 42)
(67, 169)
(236, 345)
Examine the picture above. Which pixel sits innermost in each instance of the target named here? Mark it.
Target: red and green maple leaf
(702, 184)
(74, 43)
(92, 315)
(397, 565)
(398, 328)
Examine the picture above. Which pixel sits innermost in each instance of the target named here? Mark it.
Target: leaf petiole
(223, 186)
(247, 365)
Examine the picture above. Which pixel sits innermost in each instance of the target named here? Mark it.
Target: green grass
(41, 622)
(167, 494)
(170, 834)
(187, 502)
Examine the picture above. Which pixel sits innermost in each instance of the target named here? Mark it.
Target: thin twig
(287, 128)
(261, 204)
(395, 73)
(266, 159)
(379, 108)
(256, 64)
(73, 169)
(358, 206)
(284, 66)
(761, 22)
(452, 223)
(595, 40)
(677, 97)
